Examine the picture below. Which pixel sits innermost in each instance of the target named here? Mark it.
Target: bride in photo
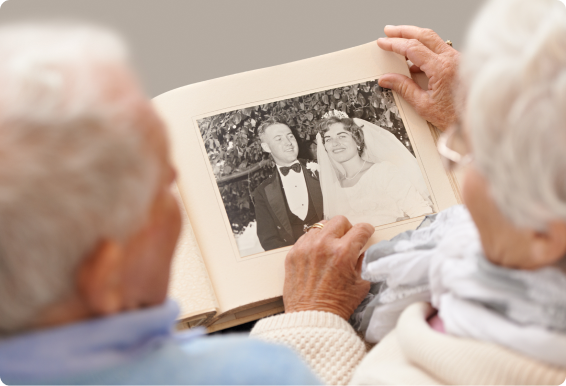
(366, 174)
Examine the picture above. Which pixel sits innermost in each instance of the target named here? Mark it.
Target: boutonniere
(313, 167)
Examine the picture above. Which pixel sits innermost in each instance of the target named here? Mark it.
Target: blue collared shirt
(139, 347)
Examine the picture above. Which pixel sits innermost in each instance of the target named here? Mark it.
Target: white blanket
(442, 262)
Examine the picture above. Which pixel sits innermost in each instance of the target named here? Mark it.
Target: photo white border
(228, 228)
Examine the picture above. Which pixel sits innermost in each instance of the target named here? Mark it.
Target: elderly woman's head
(513, 83)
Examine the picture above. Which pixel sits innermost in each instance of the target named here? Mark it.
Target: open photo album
(265, 154)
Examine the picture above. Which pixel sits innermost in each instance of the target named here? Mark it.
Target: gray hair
(514, 78)
(74, 161)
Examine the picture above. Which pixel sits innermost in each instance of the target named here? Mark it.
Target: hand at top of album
(431, 55)
(322, 271)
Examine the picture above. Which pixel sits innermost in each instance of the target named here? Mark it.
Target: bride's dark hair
(349, 125)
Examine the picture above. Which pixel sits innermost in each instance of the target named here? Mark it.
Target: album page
(190, 284)
(263, 154)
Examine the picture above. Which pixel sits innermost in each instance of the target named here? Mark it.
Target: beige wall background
(179, 42)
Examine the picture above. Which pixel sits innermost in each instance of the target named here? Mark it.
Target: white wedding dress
(383, 195)
(391, 189)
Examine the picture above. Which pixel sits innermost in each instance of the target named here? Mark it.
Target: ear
(265, 147)
(99, 279)
(550, 246)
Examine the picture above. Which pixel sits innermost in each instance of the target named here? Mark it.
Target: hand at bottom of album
(323, 269)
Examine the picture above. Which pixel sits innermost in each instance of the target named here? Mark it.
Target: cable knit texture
(326, 341)
(415, 354)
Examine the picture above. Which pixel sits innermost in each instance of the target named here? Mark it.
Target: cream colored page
(190, 284)
(239, 281)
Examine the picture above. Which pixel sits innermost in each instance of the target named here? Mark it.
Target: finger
(314, 228)
(407, 88)
(385, 44)
(414, 69)
(311, 234)
(426, 36)
(360, 263)
(337, 227)
(358, 236)
(413, 50)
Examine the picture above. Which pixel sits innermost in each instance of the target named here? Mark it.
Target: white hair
(514, 78)
(74, 161)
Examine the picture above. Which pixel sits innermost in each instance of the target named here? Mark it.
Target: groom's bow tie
(285, 169)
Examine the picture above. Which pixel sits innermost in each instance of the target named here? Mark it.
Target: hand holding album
(431, 56)
(322, 270)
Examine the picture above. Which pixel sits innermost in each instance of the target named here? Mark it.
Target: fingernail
(384, 83)
(389, 25)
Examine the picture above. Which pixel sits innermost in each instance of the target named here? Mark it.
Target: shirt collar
(86, 346)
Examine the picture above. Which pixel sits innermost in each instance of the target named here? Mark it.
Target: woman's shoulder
(386, 165)
(367, 166)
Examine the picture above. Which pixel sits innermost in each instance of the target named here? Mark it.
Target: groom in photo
(290, 198)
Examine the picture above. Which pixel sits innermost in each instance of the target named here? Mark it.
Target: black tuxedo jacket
(273, 225)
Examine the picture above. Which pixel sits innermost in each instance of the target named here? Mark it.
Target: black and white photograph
(283, 166)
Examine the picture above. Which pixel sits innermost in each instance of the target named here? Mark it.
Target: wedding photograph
(283, 166)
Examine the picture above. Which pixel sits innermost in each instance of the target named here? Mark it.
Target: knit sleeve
(326, 341)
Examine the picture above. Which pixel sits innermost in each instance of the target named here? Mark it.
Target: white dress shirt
(295, 188)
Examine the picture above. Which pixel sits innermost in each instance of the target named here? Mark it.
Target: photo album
(264, 154)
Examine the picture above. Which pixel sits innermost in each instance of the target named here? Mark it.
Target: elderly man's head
(514, 82)
(87, 222)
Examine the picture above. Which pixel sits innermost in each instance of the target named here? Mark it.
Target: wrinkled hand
(430, 54)
(322, 271)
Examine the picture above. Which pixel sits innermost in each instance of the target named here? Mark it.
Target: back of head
(74, 163)
(514, 80)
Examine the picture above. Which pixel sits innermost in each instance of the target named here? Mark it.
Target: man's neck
(69, 311)
(282, 164)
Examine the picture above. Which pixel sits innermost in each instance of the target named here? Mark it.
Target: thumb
(407, 88)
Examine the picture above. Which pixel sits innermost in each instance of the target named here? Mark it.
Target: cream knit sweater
(326, 341)
(411, 354)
